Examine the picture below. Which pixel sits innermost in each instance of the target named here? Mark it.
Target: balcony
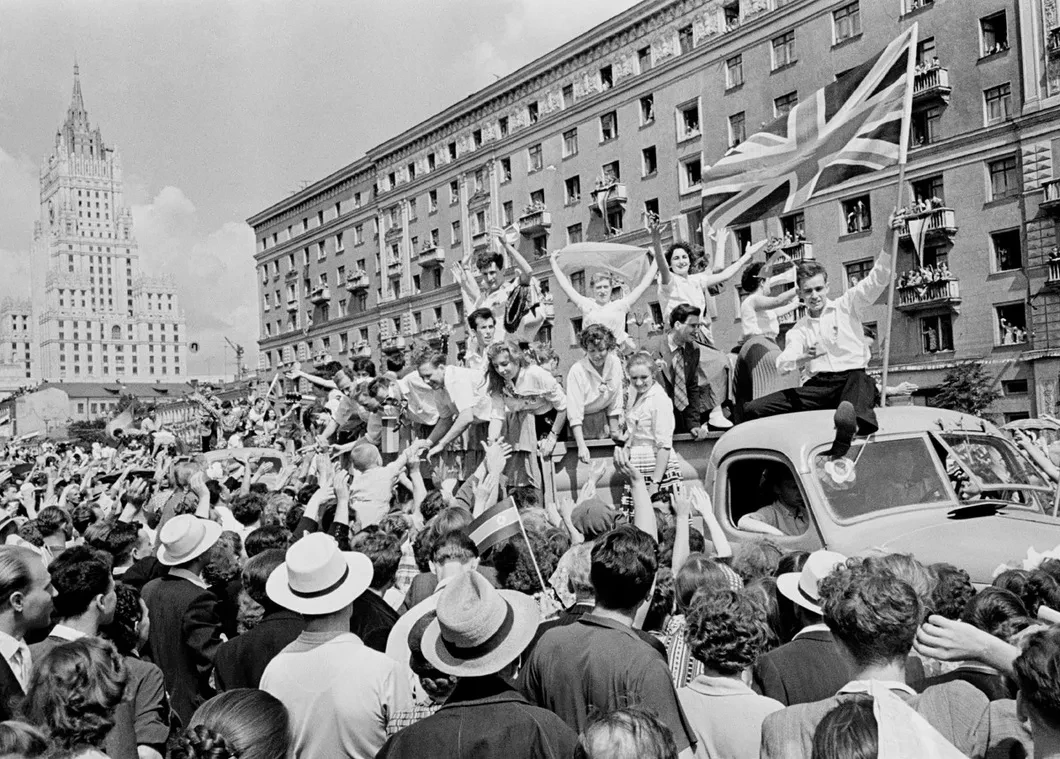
(1053, 282)
(609, 195)
(931, 296)
(931, 87)
(914, 5)
(797, 250)
(479, 199)
(357, 281)
(535, 219)
(320, 295)
(942, 223)
(394, 233)
(394, 267)
(548, 309)
(291, 275)
(431, 255)
(292, 304)
(321, 358)
(1052, 42)
(1051, 196)
(480, 241)
(362, 348)
(436, 333)
(392, 342)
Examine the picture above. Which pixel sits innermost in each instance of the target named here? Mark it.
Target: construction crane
(241, 370)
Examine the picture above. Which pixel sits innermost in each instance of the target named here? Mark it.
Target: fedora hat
(185, 537)
(479, 630)
(317, 578)
(802, 588)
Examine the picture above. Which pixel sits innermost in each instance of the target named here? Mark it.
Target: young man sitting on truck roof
(829, 342)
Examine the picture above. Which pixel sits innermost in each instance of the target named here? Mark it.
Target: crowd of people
(398, 580)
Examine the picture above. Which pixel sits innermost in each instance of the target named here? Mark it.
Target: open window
(767, 485)
(983, 466)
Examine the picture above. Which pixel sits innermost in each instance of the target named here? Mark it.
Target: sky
(220, 109)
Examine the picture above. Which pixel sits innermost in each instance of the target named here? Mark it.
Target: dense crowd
(397, 577)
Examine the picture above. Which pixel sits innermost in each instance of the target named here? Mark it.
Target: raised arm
(769, 302)
(655, 227)
(643, 285)
(708, 279)
(520, 263)
(468, 285)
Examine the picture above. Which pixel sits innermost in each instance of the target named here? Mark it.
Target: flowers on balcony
(533, 208)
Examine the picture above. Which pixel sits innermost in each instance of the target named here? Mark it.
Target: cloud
(19, 205)
(213, 274)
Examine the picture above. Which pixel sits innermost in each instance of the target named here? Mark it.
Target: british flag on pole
(854, 126)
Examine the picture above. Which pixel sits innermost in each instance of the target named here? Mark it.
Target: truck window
(765, 497)
(888, 474)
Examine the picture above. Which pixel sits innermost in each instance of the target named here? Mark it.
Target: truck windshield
(888, 474)
(995, 469)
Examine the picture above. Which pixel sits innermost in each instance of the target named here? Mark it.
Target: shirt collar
(475, 691)
(191, 577)
(864, 686)
(66, 633)
(710, 685)
(818, 627)
(8, 645)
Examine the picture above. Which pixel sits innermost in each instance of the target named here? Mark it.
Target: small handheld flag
(495, 525)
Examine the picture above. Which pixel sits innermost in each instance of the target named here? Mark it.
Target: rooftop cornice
(361, 168)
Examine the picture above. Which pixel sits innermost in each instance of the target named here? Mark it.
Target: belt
(843, 373)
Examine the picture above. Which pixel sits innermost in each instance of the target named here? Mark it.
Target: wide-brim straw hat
(479, 630)
(803, 588)
(186, 537)
(317, 578)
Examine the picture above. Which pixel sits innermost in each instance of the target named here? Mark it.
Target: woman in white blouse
(650, 426)
(594, 389)
(529, 408)
(601, 309)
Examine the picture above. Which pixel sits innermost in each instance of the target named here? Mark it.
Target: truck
(941, 485)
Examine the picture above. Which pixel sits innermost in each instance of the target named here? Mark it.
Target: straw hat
(317, 578)
(479, 630)
(186, 537)
(803, 588)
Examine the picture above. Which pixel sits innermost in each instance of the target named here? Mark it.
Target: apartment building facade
(621, 122)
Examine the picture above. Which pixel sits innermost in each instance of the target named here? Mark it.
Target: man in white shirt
(829, 343)
(25, 605)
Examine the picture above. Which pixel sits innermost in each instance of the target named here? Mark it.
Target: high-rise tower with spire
(98, 317)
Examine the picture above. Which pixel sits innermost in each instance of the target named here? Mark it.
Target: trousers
(823, 391)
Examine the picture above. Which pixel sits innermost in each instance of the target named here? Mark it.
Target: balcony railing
(432, 256)
(393, 267)
(394, 233)
(1052, 42)
(392, 342)
(480, 240)
(613, 194)
(915, 5)
(798, 250)
(942, 222)
(291, 274)
(362, 347)
(536, 221)
(946, 292)
(292, 304)
(1054, 273)
(357, 281)
(1051, 196)
(320, 295)
(932, 87)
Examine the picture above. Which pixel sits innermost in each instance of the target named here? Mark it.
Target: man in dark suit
(373, 618)
(185, 625)
(678, 363)
(25, 606)
(241, 661)
(808, 668)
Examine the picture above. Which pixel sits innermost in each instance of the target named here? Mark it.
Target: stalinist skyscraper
(97, 316)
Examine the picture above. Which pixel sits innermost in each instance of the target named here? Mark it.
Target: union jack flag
(854, 126)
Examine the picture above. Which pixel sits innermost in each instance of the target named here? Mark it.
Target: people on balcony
(923, 276)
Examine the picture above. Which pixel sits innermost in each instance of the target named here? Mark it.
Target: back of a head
(998, 612)
(453, 546)
(256, 573)
(698, 571)
(1037, 672)
(244, 722)
(265, 538)
(624, 562)
(726, 630)
(953, 591)
(119, 539)
(79, 575)
(908, 569)
(384, 551)
(849, 731)
(247, 508)
(19, 740)
(756, 558)
(364, 456)
(579, 570)
(872, 612)
(52, 520)
(124, 629)
(630, 733)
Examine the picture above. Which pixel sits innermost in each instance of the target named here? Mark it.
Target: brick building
(633, 111)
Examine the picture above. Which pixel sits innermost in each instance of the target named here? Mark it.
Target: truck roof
(794, 435)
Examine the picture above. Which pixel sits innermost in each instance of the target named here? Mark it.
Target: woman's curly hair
(244, 722)
(74, 690)
(122, 630)
(726, 630)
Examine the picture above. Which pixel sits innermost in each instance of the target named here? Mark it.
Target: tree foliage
(967, 388)
(88, 432)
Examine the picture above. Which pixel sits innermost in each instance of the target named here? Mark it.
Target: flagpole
(530, 550)
(903, 157)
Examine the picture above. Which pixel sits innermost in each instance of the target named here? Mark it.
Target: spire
(77, 103)
(76, 134)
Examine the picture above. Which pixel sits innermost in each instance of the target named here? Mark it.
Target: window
(507, 213)
(391, 180)
(929, 190)
(1004, 178)
(476, 138)
(432, 162)
(574, 234)
(649, 161)
(480, 180)
(685, 39)
(651, 208)
(534, 160)
(647, 110)
(412, 209)
(733, 72)
(608, 126)
(688, 121)
(454, 192)
(1007, 253)
(732, 15)
(502, 126)
(568, 95)
(570, 142)
(572, 190)
(737, 129)
(936, 333)
(616, 220)
(1015, 387)
(857, 271)
(607, 79)
(451, 147)
(997, 101)
(454, 233)
(691, 173)
(1011, 324)
(506, 170)
(857, 214)
(924, 127)
(785, 103)
(783, 50)
(432, 201)
(846, 22)
(358, 234)
(644, 59)
(411, 171)
(338, 243)
(577, 281)
(532, 112)
(322, 252)
(993, 34)
(537, 197)
(612, 172)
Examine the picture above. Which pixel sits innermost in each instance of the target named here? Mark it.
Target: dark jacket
(185, 635)
(142, 572)
(372, 620)
(484, 718)
(241, 661)
(805, 670)
(11, 693)
(692, 416)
